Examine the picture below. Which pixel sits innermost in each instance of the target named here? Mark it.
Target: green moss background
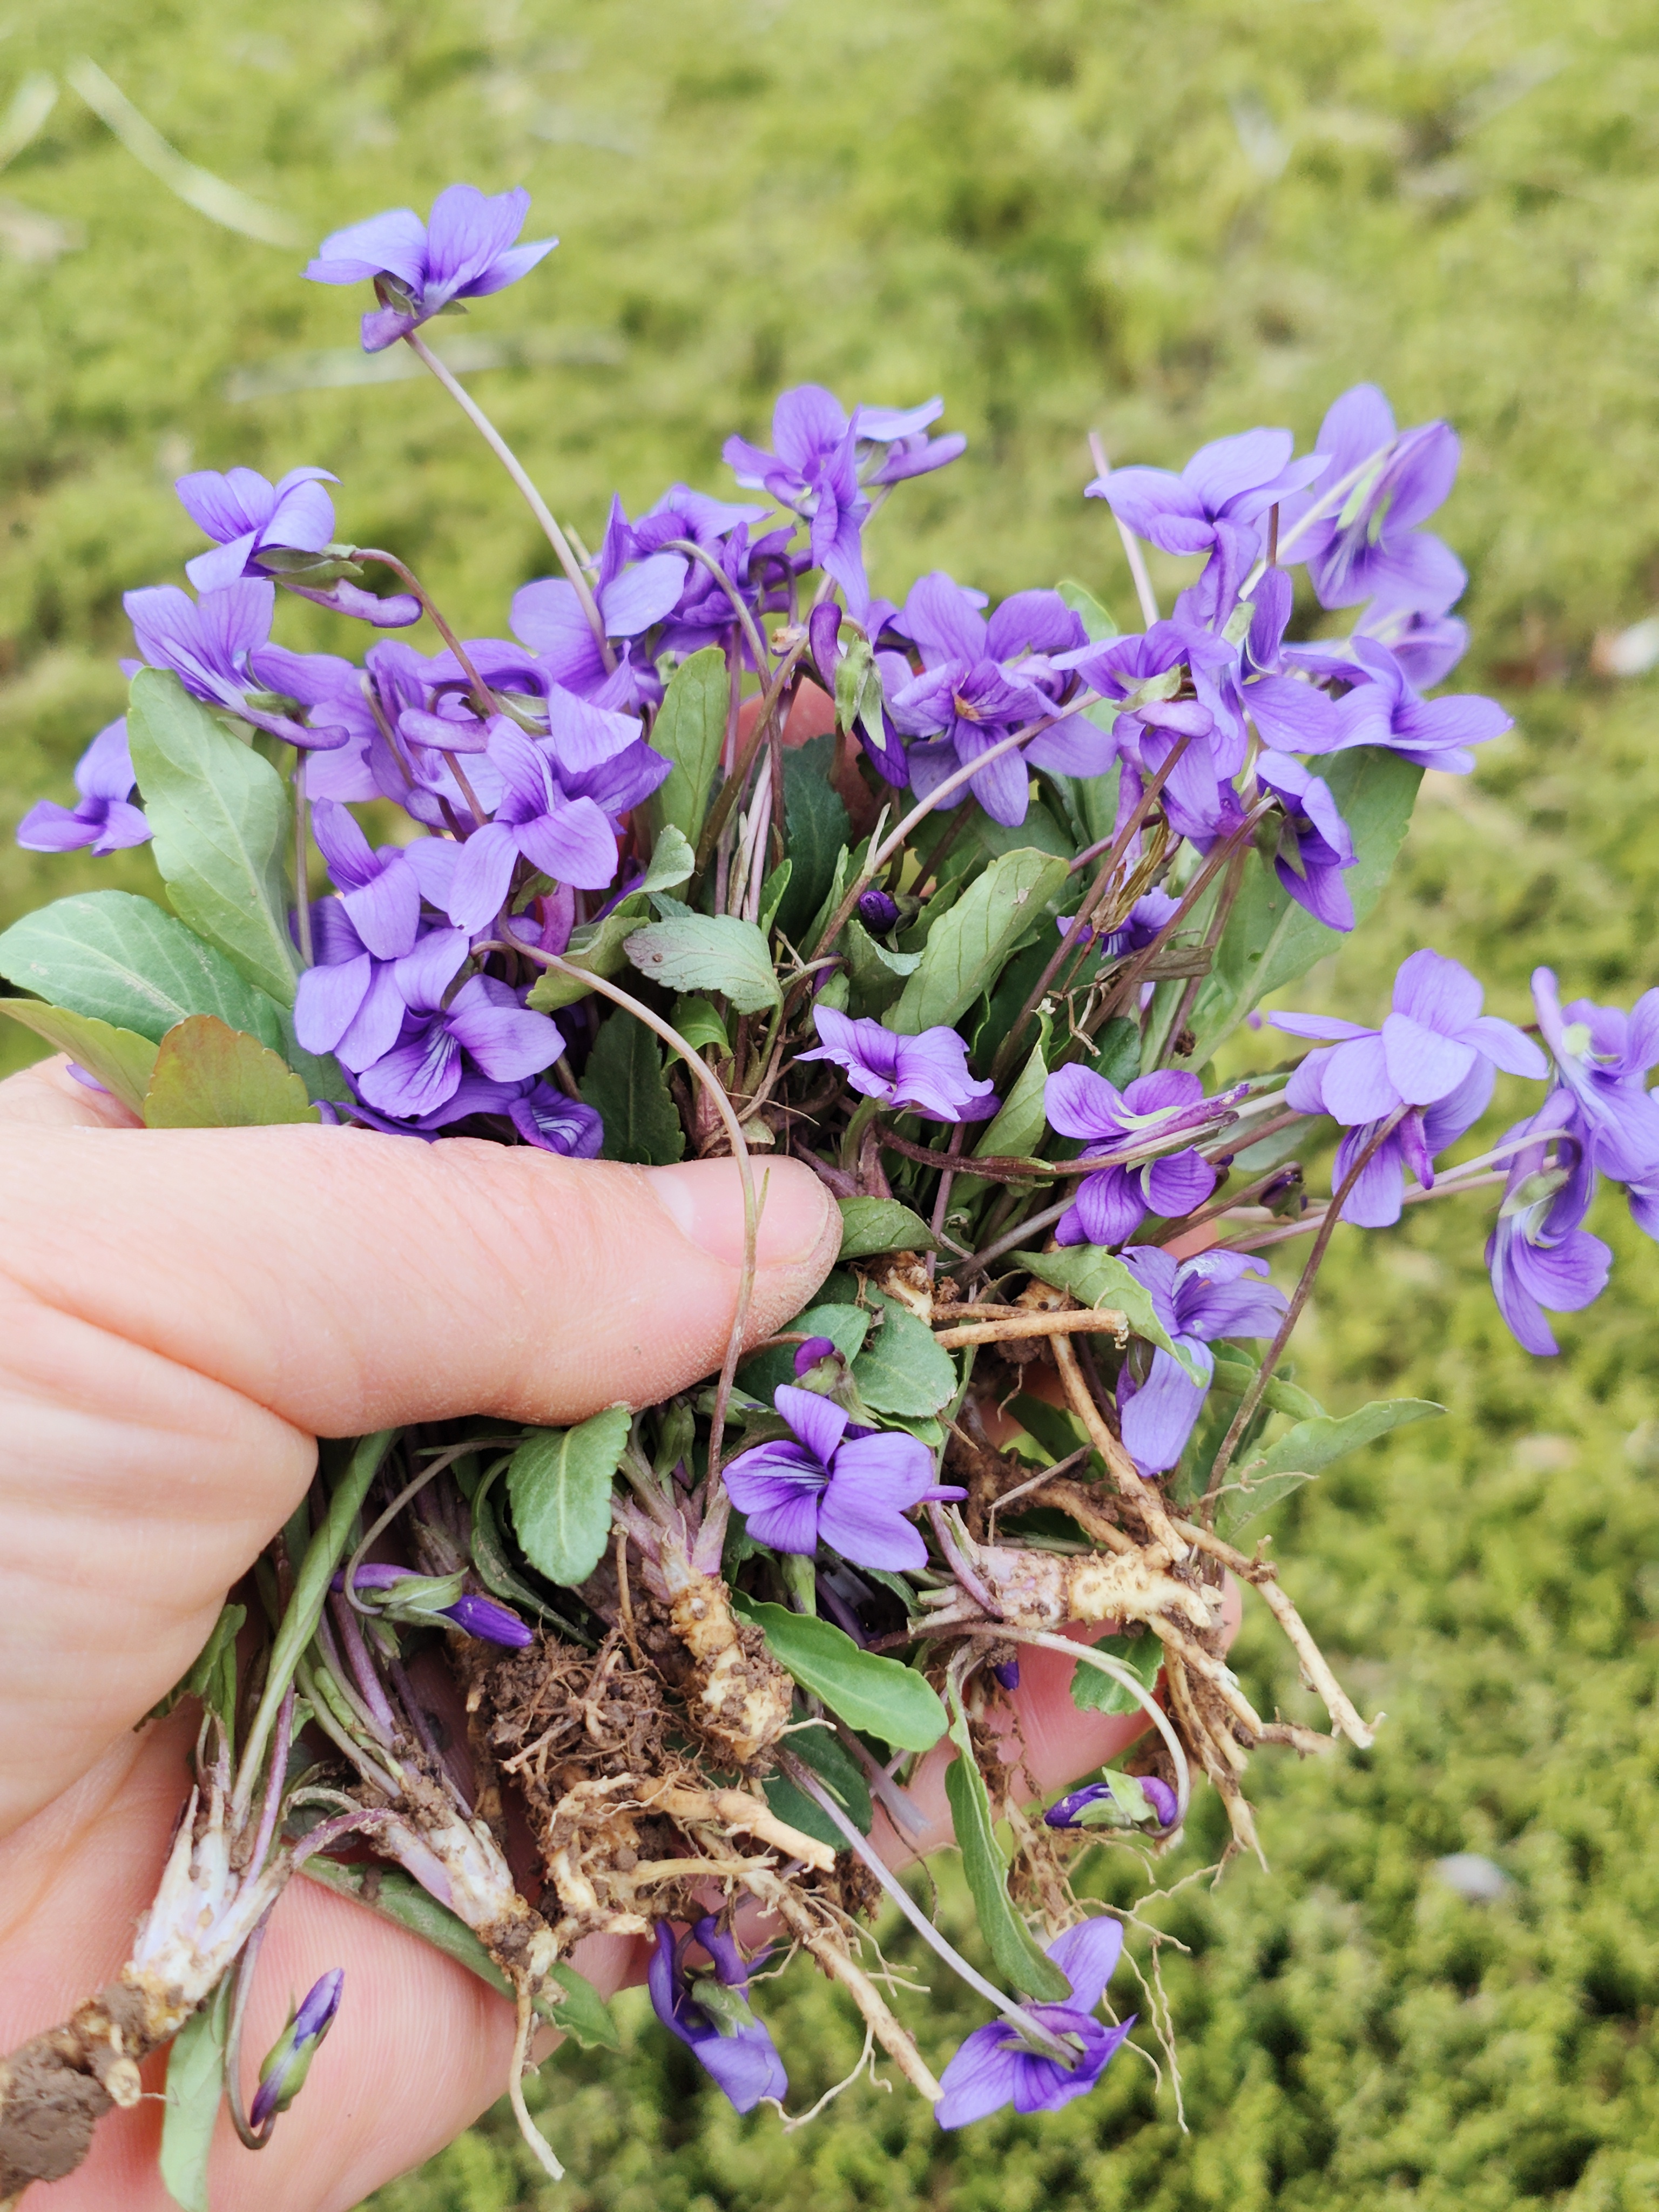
(1167, 221)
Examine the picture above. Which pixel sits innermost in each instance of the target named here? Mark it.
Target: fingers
(419, 2049)
(182, 1311)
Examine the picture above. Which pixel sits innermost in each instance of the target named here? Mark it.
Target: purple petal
(572, 842)
(1507, 1047)
(806, 422)
(386, 910)
(483, 877)
(394, 242)
(1107, 1208)
(1159, 508)
(1086, 1956)
(981, 2079)
(49, 828)
(817, 1421)
(1355, 1082)
(424, 975)
(1078, 1103)
(416, 1077)
(1439, 993)
(1174, 1186)
(642, 595)
(943, 619)
(1423, 1064)
(1375, 1201)
(1159, 1418)
(506, 1039)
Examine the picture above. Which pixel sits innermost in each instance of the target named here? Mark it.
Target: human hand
(183, 1313)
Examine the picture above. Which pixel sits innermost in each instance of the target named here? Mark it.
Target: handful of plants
(720, 855)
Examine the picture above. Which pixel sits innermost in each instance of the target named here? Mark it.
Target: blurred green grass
(1168, 222)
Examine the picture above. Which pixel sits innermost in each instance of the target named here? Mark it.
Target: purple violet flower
(1073, 1810)
(1376, 1200)
(1423, 1051)
(993, 2066)
(1316, 847)
(1601, 1054)
(710, 2014)
(243, 512)
(569, 839)
(927, 1073)
(283, 2075)
(1111, 1205)
(1145, 675)
(544, 1117)
(1384, 709)
(1538, 1254)
(1214, 1295)
(420, 270)
(633, 596)
(808, 1355)
(1211, 507)
(347, 1003)
(482, 1617)
(103, 817)
(380, 888)
(482, 1026)
(1371, 547)
(849, 1486)
(219, 649)
(979, 681)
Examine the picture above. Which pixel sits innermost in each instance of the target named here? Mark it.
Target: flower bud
(1121, 1800)
(288, 2061)
(877, 911)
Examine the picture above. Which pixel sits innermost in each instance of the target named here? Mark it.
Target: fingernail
(704, 1200)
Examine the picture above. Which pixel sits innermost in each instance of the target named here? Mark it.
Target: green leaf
(596, 949)
(771, 897)
(1234, 1375)
(220, 815)
(901, 1370)
(1301, 1452)
(1095, 1278)
(700, 1025)
(707, 952)
(575, 2006)
(1269, 939)
(689, 732)
(489, 1557)
(1116, 1055)
(123, 960)
(845, 1327)
(1018, 1127)
(672, 860)
(967, 947)
(1093, 1689)
(560, 1484)
(875, 1695)
(818, 830)
(875, 975)
(1014, 1950)
(1039, 832)
(623, 1083)
(120, 1059)
(1058, 1432)
(841, 1775)
(196, 2082)
(880, 1225)
(1084, 603)
(208, 1076)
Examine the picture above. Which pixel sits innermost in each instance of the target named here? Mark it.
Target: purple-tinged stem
(365, 1676)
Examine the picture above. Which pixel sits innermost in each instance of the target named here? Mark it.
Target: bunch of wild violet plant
(972, 952)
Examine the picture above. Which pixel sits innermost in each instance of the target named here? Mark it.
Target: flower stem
(532, 499)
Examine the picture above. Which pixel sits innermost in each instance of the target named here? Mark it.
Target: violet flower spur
(103, 818)
(1538, 1254)
(833, 1480)
(927, 1073)
(1371, 547)
(1423, 1051)
(483, 1023)
(1107, 1207)
(283, 2074)
(993, 2067)
(1600, 1055)
(1215, 1294)
(216, 646)
(979, 681)
(711, 2015)
(420, 270)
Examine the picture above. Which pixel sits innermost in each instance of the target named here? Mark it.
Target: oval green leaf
(860, 1687)
(560, 1486)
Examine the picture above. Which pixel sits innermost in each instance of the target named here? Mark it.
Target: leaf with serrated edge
(623, 1084)
(560, 1486)
(1301, 1452)
(1095, 1278)
(1014, 1950)
(707, 952)
(860, 1687)
(208, 1076)
(967, 947)
(880, 1225)
(900, 1370)
(220, 814)
(123, 960)
(689, 732)
(120, 1059)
